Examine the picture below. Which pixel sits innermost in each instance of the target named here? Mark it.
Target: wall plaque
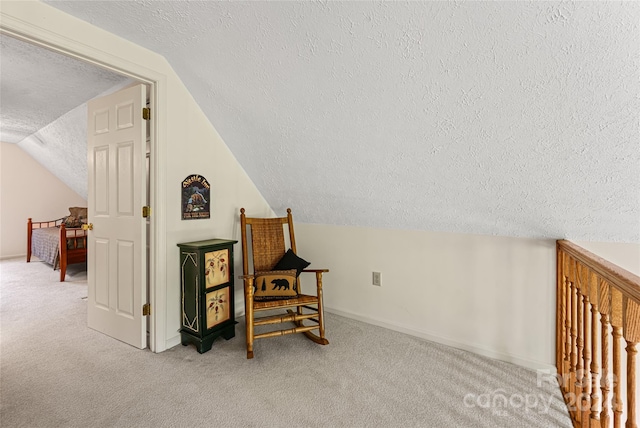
(195, 197)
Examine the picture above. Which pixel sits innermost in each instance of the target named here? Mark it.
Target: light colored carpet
(56, 372)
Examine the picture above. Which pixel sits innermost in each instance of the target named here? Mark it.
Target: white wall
(27, 189)
(200, 150)
(491, 295)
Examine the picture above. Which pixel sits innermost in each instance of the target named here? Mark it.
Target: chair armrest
(318, 273)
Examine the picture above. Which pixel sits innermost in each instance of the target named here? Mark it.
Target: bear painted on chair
(280, 284)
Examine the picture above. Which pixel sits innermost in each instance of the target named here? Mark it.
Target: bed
(56, 244)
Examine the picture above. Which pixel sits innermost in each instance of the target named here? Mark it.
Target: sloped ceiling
(507, 118)
(43, 106)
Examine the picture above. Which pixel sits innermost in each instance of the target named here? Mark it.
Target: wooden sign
(195, 197)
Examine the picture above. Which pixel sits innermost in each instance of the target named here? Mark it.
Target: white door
(116, 249)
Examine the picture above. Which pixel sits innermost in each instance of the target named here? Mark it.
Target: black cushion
(291, 261)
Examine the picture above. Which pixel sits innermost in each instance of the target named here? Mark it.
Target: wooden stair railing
(598, 306)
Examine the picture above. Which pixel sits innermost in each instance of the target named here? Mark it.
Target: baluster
(632, 335)
(631, 384)
(574, 330)
(580, 344)
(616, 323)
(566, 373)
(595, 370)
(559, 283)
(617, 398)
(561, 314)
(586, 379)
(566, 336)
(604, 299)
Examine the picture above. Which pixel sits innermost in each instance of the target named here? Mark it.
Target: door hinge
(146, 113)
(146, 211)
(146, 309)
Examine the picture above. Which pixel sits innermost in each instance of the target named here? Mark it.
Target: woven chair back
(268, 241)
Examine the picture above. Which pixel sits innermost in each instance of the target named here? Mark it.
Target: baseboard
(15, 256)
(509, 358)
(172, 341)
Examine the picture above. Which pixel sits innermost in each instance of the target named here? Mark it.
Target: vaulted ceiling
(43, 97)
(39, 85)
(506, 118)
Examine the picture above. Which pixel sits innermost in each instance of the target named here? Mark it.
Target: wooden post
(616, 323)
(617, 372)
(29, 232)
(560, 309)
(62, 253)
(605, 414)
(566, 376)
(586, 379)
(580, 346)
(574, 332)
(631, 315)
(604, 298)
(595, 370)
(248, 306)
(631, 384)
(320, 304)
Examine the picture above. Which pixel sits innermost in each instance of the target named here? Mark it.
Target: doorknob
(87, 226)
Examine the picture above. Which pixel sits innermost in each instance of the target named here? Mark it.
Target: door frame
(53, 40)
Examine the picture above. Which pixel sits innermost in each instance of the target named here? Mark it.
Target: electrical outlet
(376, 279)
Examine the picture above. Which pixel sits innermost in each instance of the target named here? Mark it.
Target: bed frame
(72, 243)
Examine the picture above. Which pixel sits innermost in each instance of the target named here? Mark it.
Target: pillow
(80, 213)
(274, 285)
(71, 221)
(291, 261)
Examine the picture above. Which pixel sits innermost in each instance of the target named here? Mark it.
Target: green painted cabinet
(207, 293)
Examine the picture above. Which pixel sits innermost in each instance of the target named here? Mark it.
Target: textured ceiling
(508, 118)
(37, 86)
(43, 97)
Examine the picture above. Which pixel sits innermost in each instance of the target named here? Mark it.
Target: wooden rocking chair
(267, 249)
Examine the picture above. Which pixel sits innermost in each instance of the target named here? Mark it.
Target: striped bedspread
(44, 244)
